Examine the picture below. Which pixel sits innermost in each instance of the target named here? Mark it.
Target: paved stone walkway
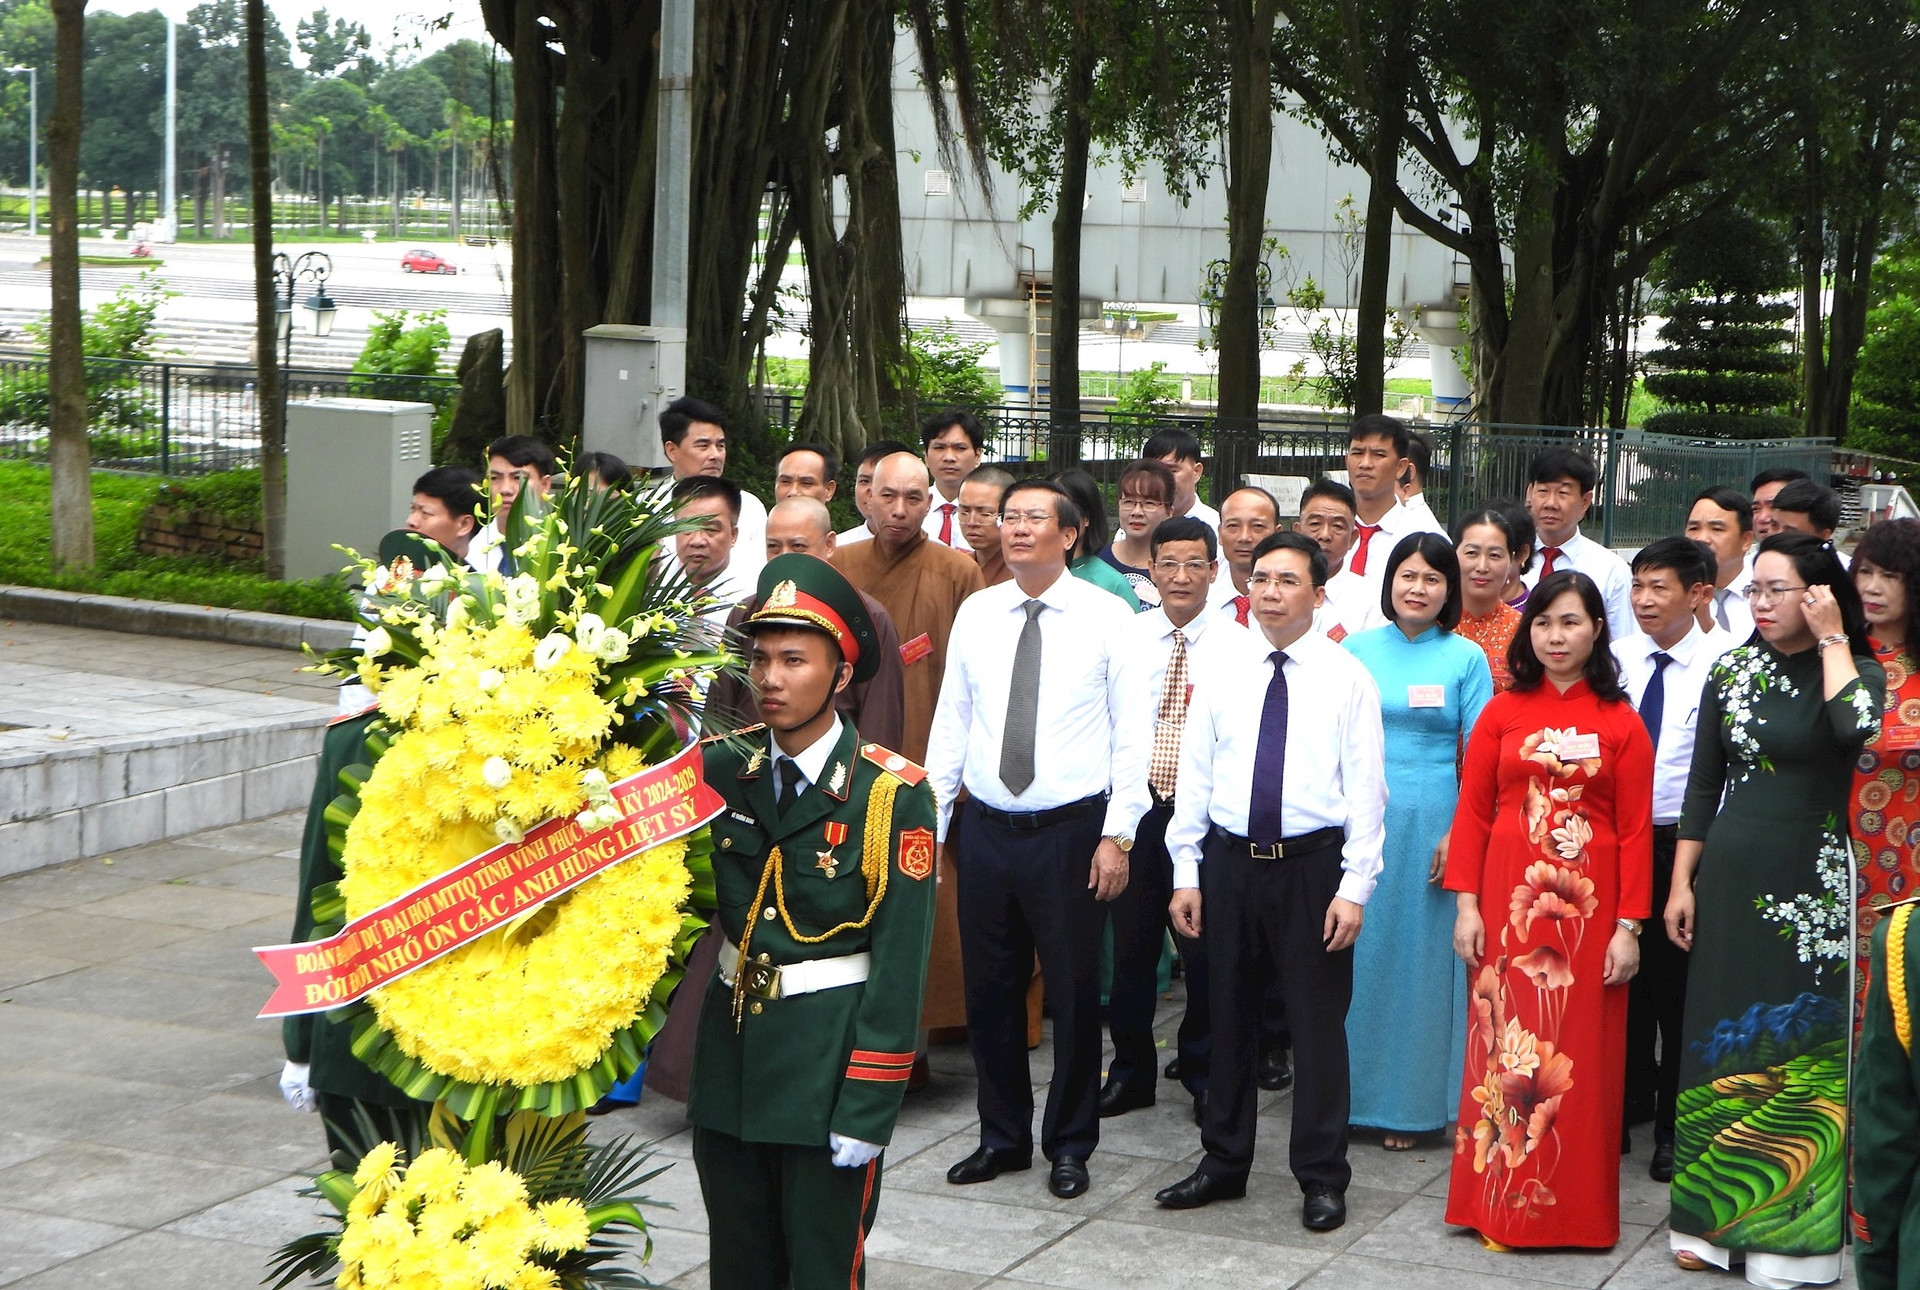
(146, 1146)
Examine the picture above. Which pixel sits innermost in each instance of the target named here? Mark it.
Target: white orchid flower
(379, 641)
(489, 680)
(497, 773)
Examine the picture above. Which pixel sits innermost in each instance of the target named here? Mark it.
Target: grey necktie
(1023, 706)
(1720, 609)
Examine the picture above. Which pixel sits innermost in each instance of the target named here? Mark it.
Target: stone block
(204, 804)
(125, 822)
(119, 614)
(31, 844)
(283, 786)
(272, 631)
(176, 761)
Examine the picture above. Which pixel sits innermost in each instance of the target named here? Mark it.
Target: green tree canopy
(332, 46)
(125, 84)
(415, 98)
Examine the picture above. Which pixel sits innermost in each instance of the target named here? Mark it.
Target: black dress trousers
(1140, 925)
(1656, 1001)
(1260, 918)
(1021, 892)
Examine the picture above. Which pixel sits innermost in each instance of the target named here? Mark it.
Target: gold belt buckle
(763, 978)
(1258, 852)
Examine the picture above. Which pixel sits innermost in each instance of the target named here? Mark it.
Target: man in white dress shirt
(1351, 604)
(1276, 834)
(693, 434)
(875, 453)
(953, 442)
(708, 553)
(1560, 485)
(1057, 780)
(1247, 516)
(1377, 448)
(1179, 452)
(1664, 667)
(1723, 519)
(514, 462)
(1178, 641)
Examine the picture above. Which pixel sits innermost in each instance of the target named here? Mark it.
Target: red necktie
(1240, 606)
(1359, 562)
(1551, 553)
(946, 523)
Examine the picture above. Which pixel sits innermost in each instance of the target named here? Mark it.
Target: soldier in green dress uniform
(1886, 1113)
(823, 868)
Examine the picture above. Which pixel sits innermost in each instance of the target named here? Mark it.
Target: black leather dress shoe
(1660, 1168)
(1118, 1099)
(1198, 1189)
(1323, 1209)
(1068, 1178)
(987, 1164)
(1172, 1069)
(1276, 1072)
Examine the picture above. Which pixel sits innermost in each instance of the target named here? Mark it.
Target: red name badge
(1900, 737)
(915, 650)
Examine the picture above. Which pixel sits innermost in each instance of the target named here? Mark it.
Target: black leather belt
(1298, 845)
(1666, 833)
(1028, 821)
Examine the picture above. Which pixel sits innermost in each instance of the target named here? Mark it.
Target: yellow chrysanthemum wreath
(498, 733)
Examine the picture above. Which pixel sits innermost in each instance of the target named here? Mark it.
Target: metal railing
(1648, 481)
(179, 418)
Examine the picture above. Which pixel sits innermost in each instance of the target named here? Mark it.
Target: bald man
(921, 583)
(980, 494)
(801, 525)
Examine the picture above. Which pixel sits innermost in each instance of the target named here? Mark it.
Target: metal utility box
(351, 464)
(632, 372)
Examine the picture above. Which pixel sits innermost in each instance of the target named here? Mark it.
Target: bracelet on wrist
(1629, 924)
(1829, 641)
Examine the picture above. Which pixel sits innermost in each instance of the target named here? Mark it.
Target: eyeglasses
(1198, 568)
(1284, 581)
(1039, 519)
(1770, 595)
(976, 512)
(1141, 504)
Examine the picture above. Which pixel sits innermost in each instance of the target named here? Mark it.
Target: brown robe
(993, 566)
(922, 587)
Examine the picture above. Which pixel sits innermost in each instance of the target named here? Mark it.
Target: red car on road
(420, 260)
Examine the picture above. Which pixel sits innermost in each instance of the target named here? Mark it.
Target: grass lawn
(119, 500)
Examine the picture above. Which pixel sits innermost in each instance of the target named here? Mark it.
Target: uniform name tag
(1578, 747)
(1337, 633)
(915, 650)
(1426, 696)
(742, 818)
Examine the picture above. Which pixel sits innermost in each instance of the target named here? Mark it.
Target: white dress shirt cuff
(1186, 874)
(1353, 887)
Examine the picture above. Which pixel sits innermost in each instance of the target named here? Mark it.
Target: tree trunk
(1069, 208)
(1388, 91)
(1810, 248)
(220, 192)
(68, 457)
(880, 291)
(273, 429)
(1249, 167)
(536, 231)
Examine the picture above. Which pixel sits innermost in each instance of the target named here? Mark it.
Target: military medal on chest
(836, 834)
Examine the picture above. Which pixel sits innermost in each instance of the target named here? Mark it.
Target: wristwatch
(1120, 840)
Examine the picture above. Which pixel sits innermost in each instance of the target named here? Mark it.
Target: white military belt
(767, 980)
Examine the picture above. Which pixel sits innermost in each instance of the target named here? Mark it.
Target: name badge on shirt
(1578, 747)
(1426, 696)
(915, 650)
(1900, 737)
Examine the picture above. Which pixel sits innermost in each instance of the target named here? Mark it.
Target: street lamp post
(33, 147)
(316, 267)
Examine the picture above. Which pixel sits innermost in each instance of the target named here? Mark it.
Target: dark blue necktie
(1653, 704)
(1270, 760)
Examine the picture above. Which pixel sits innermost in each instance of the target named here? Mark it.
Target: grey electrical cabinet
(632, 372)
(351, 464)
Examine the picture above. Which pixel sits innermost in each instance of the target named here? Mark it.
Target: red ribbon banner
(515, 878)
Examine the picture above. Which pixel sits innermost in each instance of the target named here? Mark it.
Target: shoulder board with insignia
(894, 764)
(734, 734)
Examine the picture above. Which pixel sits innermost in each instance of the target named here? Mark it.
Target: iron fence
(181, 418)
(1648, 481)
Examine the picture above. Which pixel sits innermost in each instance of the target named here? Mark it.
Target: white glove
(851, 1153)
(294, 1087)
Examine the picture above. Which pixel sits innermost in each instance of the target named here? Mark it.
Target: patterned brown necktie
(1170, 720)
